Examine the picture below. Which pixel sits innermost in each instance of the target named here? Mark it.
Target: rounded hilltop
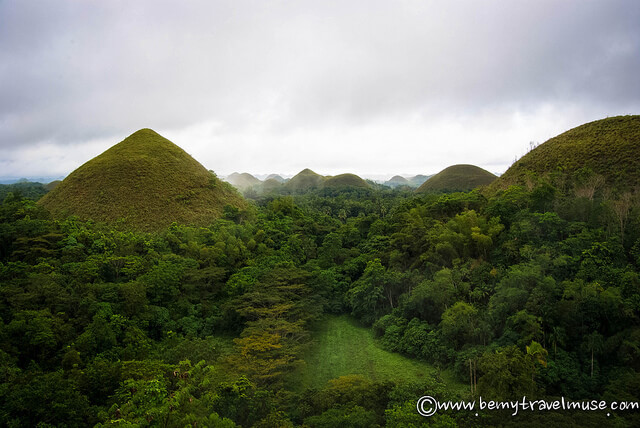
(608, 148)
(145, 181)
(345, 180)
(457, 178)
(304, 181)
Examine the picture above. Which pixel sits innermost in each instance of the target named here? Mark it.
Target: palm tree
(538, 354)
(556, 336)
(594, 344)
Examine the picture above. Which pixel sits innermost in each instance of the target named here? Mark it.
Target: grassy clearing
(342, 347)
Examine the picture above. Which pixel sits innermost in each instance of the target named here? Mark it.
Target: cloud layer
(361, 86)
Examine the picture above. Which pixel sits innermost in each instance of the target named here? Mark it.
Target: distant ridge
(271, 185)
(145, 181)
(396, 181)
(417, 180)
(243, 181)
(457, 178)
(608, 147)
(304, 181)
(276, 177)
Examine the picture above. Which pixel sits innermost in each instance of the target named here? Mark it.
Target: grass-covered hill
(417, 180)
(52, 185)
(304, 181)
(608, 147)
(243, 181)
(146, 180)
(345, 180)
(271, 185)
(276, 177)
(457, 178)
(397, 180)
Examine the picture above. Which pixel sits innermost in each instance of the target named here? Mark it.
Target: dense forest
(527, 291)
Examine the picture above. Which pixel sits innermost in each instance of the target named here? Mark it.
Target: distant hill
(26, 189)
(271, 185)
(345, 180)
(417, 180)
(397, 181)
(243, 181)
(304, 181)
(457, 178)
(275, 177)
(147, 181)
(609, 148)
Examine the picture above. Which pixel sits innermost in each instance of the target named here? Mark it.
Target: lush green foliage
(244, 320)
(27, 189)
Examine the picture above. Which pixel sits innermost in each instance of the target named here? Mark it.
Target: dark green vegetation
(27, 189)
(602, 152)
(254, 318)
(457, 178)
(146, 182)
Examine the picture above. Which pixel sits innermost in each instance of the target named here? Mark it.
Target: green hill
(397, 181)
(271, 185)
(52, 185)
(345, 180)
(608, 147)
(146, 180)
(417, 180)
(276, 177)
(305, 180)
(457, 178)
(243, 181)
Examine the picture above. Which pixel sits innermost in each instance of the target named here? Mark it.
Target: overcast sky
(370, 87)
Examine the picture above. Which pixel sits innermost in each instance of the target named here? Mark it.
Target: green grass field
(342, 347)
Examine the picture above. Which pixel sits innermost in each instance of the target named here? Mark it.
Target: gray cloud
(282, 73)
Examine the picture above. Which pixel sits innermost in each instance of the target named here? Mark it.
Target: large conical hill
(145, 181)
(609, 148)
(457, 178)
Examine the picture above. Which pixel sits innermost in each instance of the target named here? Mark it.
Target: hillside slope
(608, 147)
